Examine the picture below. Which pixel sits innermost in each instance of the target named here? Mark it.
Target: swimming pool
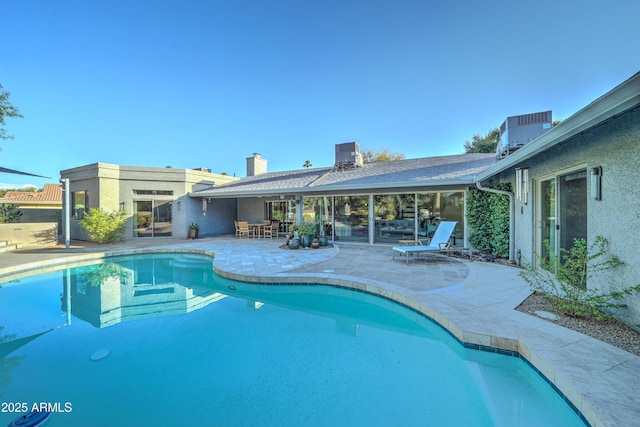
(176, 344)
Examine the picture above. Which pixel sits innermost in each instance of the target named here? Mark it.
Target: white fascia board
(614, 102)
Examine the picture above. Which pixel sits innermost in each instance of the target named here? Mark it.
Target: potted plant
(315, 243)
(194, 230)
(294, 243)
(306, 231)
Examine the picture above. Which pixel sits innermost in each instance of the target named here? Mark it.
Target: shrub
(488, 218)
(103, 226)
(9, 214)
(305, 229)
(563, 280)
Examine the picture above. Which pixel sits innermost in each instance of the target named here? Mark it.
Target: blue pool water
(178, 345)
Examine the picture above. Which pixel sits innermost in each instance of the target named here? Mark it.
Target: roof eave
(337, 188)
(31, 202)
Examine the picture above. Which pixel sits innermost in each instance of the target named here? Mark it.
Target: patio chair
(242, 229)
(439, 242)
(275, 227)
(267, 231)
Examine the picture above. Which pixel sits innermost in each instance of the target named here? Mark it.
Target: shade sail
(6, 170)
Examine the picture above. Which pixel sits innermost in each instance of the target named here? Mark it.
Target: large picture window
(319, 210)
(79, 204)
(394, 217)
(442, 206)
(351, 218)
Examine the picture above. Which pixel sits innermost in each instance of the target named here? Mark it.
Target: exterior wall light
(522, 185)
(596, 183)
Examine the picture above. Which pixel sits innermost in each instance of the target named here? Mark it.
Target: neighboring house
(155, 198)
(350, 201)
(578, 180)
(37, 206)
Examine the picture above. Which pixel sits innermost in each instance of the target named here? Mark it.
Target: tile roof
(51, 193)
(456, 169)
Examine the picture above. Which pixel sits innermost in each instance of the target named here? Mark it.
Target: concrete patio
(475, 301)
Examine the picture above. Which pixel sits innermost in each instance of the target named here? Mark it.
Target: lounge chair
(439, 241)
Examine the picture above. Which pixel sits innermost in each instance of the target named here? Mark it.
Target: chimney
(256, 165)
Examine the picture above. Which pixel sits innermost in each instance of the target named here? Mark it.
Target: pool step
(6, 246)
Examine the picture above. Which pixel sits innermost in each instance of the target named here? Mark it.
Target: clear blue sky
(207, 83)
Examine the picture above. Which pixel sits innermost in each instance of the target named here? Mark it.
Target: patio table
(256, 229)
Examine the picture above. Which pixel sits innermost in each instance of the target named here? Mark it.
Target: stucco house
(348, 201)
(575, 180)
(351, 201)
(40, 221)
(37, 206)
(578, 181)
(156, 199)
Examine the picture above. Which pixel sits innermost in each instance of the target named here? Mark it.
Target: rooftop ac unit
(348, 155)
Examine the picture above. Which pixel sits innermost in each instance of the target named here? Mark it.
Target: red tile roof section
(50, 193)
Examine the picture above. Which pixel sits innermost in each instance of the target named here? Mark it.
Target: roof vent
(348, 155)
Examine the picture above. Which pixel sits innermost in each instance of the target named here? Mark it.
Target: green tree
(9, 214)
(382, 155)
(104, 227)
(307, 164)
(6, 110)
(483, 143)
(98, 274)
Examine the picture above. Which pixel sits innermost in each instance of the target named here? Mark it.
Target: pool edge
(472, 340)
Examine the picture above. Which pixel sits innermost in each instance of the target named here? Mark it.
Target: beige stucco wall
(30, 234)
(111, 187)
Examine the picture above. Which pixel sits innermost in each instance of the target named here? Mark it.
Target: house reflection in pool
(129, 288)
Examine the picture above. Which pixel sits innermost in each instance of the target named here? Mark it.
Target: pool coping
(469, 338)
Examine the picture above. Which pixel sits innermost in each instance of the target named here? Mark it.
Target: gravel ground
(609, 330)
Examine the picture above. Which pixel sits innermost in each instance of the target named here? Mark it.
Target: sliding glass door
(152, 218)
(562, 212)
(572, 204)
(547, 219)
(351, 219)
